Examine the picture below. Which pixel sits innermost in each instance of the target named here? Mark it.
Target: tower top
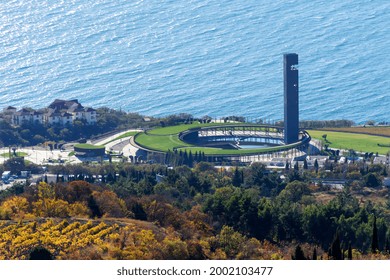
(291, 58)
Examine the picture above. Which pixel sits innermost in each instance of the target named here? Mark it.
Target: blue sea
(204, 57)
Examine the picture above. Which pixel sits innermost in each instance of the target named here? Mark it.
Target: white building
(74, 110)
(27, 116)
(59, 112)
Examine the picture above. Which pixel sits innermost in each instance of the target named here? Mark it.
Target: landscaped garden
(167, 139)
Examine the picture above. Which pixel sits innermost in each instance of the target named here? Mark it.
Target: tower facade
(291, 104)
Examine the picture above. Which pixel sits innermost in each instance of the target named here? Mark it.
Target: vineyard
(96, 240)
(76, 240)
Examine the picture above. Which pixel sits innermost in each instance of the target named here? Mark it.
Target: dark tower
(291, 110)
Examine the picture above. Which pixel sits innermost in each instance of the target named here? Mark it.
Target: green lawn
(18, 154)
(160, 142)
(357, 142)
(164, 139)
(88, 146)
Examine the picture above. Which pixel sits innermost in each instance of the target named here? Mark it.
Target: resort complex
(232, 141)
(59, 112)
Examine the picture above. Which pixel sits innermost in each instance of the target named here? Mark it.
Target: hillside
(197, 213)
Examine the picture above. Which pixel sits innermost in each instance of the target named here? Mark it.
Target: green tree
(372, 180)
(305, 164)
(316, 166)
(298, 254)
(336, 252)
(40, 253)
(294, 191)
(374, 239)
(230, 241)
(349, 251)
(314, 254)
(236, 178)
(296, 166)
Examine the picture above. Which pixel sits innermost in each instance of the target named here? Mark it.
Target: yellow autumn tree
(79, 210)
(47, 205)
(15, 207)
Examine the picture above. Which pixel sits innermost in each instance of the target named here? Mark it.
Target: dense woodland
(198, 213)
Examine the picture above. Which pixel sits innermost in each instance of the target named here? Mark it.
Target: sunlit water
(204, 57)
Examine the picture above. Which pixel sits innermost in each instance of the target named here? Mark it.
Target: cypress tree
(236, 178)
(296, 166)
(94, 207)
(166, 159)
(298, 254)
(190, 159)
(185, 158)
(110, 178)
(316, 166)
(315, 254)
(374, 240)
(349, 251)
(387, 246)
(336, 248)
(305, 165)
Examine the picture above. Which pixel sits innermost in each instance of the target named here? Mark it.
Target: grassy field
(18, 154)
(160, 142)
(357, 142)
(373, 130)
(88, 146)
